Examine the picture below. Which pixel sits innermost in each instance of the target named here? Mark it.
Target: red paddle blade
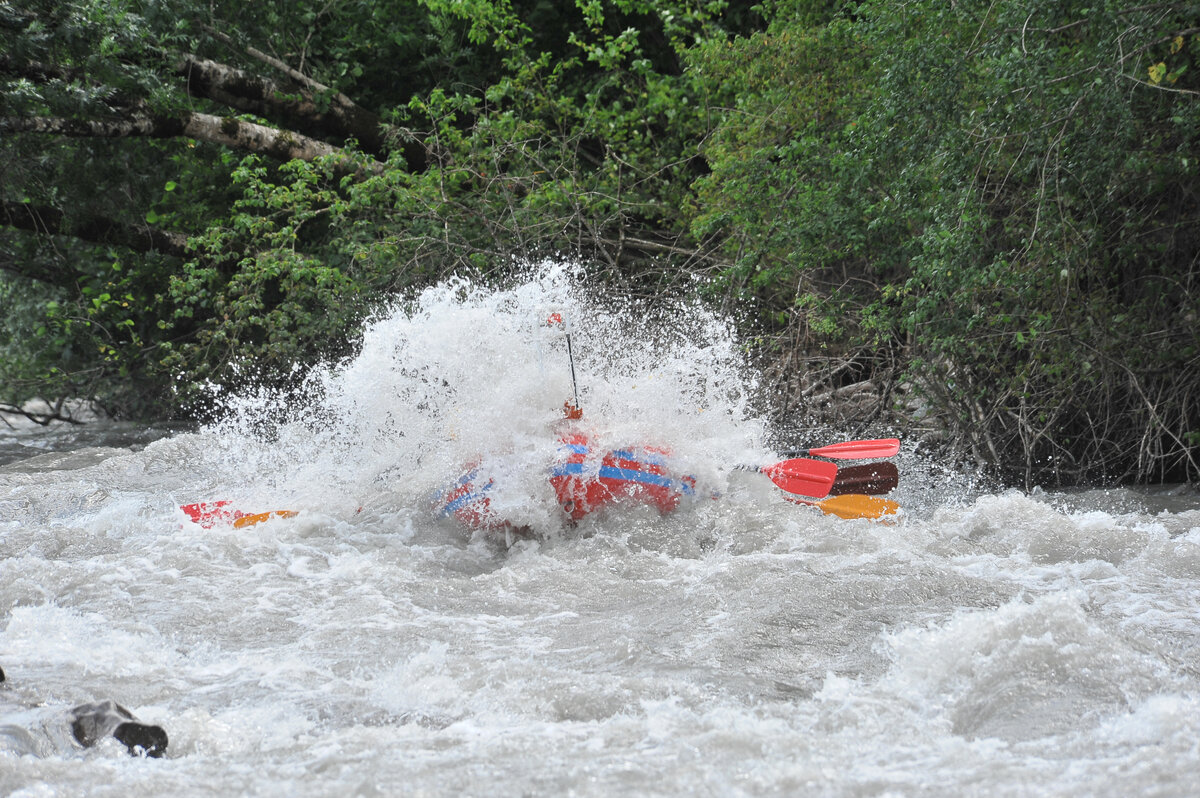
(858, 450)
(209, 514)
(870, 479)
(804, 477)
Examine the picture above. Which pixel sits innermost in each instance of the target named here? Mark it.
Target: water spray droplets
(461, 369)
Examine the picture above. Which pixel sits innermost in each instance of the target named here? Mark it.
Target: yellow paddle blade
(855, 505)
(852, 505)
(258, 518)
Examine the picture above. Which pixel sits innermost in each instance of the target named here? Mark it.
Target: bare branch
(275, 63)
(41, 419)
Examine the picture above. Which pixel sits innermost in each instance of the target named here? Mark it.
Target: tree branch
(235, 88)
(41, 419)
(234, 133)
(352, 119)
(341, 119)
(48, 220)
(275, 63)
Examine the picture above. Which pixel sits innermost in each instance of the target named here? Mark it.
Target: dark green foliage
(1007, 193)
(537, 129)
(992, 206)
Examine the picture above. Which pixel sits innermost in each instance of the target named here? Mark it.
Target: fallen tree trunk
(234, 133)
(339, 118)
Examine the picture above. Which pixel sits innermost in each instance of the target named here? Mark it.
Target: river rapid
(986, 642)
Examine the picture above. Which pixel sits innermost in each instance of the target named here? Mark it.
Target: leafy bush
(1006, 191)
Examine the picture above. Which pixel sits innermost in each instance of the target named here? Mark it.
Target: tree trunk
(235, 88)
(342, 118)
(234, 133)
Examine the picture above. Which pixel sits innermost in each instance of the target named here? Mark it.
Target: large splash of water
(463, 369)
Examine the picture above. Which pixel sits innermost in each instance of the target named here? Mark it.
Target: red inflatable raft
(585, 479)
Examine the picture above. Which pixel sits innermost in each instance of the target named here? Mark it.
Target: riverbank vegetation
(976, 218)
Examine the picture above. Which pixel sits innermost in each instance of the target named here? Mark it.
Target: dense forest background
(975, 217)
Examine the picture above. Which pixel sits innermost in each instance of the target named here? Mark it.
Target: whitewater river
(987, 642)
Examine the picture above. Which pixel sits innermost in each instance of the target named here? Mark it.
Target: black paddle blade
(871, 479)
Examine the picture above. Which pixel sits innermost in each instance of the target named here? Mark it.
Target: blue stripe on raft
(566, 469)
(644, 477)
(465, 499)
(625, 475)
(644, 458)
(573, 448)
(463, 480)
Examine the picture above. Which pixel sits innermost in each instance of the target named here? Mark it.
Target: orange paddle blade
(258, 518)
(853, 505)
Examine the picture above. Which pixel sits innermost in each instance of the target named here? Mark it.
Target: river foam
(986, 643)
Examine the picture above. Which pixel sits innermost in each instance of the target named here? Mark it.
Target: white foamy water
(984, 644)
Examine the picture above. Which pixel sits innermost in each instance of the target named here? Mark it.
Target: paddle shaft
(574, 384)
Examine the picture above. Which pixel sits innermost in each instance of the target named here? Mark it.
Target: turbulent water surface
(985, 643)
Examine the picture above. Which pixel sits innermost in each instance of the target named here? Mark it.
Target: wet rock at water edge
(90, 723)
